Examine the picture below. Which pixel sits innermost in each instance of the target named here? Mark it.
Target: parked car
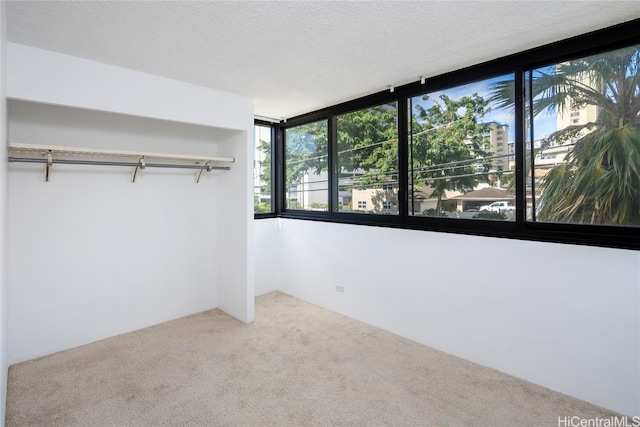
(501, 207)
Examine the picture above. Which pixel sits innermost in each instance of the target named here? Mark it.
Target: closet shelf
(37, 153)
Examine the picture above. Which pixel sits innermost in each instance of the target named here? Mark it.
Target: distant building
(382, 199)
(310, 192)
(500, 149)
(572, 116)
(550, 154)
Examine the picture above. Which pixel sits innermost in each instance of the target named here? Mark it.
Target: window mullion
(279, 170)
(520, 152)
(332, 159)
(403, 158)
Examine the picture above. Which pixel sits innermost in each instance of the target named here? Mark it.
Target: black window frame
(599, 41)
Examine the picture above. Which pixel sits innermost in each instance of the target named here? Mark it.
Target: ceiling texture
(294, 57)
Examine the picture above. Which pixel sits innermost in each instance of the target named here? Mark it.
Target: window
(262, 169)
(367, 157)
(306, 182)
(541, 145)
(456, 165)
(588, 170)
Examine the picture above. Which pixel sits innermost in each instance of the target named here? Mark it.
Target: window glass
(262, 169)
(462, 152)
(367, 160)
(306, 182)
(585, 116)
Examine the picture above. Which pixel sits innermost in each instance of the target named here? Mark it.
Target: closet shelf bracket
(140, 166)
(47, 167)
(207, 166)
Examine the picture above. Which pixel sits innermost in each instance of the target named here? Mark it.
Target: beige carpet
(296, 365)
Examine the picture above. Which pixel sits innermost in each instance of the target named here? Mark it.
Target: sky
(543, 125)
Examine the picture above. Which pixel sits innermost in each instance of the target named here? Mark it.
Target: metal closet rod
(109, 163)
(74, 151)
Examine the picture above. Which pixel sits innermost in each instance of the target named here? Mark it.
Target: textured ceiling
(293, 57)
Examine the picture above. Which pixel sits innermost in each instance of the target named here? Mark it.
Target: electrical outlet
(339, 288)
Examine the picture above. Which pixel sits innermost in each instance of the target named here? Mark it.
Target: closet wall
(92, 254)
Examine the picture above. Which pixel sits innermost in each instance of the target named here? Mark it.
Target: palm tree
(599, 182)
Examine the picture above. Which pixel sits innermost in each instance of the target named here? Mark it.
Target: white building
(500, 147)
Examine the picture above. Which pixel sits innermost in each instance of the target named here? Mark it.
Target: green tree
(368, 142)
(306, 150)
(260, 207)
(266, 164)
(599, 182)
(448, 144)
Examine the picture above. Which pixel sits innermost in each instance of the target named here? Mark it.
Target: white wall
(267, 255)
(4, 364)
(563, 316)
(92, 255)
(235, 226)
(53, 78)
